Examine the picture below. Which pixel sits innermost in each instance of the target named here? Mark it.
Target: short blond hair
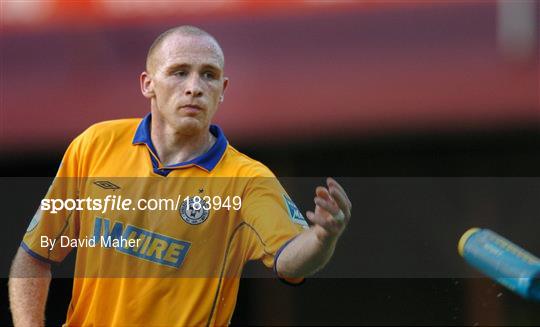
(184, 30)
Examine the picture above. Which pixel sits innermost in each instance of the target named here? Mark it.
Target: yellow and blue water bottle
(502, 260)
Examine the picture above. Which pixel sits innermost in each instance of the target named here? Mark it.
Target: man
(186, 270)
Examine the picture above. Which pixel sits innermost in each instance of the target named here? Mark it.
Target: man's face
(185, 82)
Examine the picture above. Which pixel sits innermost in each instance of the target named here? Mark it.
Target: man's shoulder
(246, 166)
(115, 126)
(111, 129)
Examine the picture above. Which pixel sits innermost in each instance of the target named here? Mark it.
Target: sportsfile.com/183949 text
(119, 203)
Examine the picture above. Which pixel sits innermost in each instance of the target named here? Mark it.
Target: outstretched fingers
(318, 219)
(340, 197)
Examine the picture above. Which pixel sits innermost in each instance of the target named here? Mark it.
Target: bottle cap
(465, 238)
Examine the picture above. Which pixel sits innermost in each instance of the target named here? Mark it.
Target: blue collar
(206, 161)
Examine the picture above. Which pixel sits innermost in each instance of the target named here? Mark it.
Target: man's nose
(194, 87)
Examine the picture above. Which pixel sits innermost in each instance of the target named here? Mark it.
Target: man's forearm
(28, 288)
(305, 255)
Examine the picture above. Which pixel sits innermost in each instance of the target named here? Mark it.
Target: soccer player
(181, 267)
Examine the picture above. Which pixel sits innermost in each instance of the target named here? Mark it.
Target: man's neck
(173, 147)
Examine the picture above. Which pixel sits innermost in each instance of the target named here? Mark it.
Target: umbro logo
(107, 185)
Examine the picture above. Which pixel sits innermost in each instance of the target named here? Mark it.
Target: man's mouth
(195, 106)
(191, 108)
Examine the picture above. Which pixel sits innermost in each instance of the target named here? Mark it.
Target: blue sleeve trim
(35, 255)
(276, 257)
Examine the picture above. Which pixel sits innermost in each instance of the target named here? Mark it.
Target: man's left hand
(332, 211)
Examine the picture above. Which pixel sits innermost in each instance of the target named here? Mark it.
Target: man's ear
(225, 83)
(147, 86)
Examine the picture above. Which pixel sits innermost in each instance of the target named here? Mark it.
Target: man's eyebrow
(212, 67)
(174, 67)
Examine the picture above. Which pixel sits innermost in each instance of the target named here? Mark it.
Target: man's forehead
(198, 49)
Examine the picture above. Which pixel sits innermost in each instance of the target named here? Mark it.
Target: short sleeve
(273, 216)
(46, 235)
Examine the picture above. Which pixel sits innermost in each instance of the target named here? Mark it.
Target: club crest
(194, 210)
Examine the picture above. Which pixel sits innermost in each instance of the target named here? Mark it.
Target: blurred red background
(299, 70)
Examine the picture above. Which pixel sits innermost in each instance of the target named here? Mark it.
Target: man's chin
(190, 126)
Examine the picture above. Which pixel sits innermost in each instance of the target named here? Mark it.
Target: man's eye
(180, 73)
(209, 75)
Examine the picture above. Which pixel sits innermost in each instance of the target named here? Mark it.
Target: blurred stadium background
(350, 88)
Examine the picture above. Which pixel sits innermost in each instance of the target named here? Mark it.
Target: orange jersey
(178, 266)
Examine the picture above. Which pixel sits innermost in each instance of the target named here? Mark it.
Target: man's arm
(29, 281)
(312, 249)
